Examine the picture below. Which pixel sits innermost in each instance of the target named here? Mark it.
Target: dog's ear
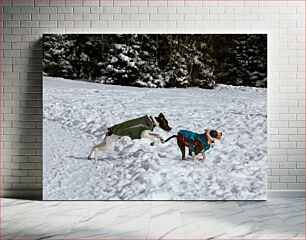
(213, 133)
(161, 115)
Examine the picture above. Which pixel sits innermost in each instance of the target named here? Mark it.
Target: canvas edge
(37, 194)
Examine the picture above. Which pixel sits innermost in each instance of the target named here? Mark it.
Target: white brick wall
(24, 22)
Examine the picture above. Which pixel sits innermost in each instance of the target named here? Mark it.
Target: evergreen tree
(244, 61)
(158, 60)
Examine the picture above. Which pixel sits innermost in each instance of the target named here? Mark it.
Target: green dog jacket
(133, 128)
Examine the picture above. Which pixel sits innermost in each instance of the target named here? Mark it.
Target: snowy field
(234, 169)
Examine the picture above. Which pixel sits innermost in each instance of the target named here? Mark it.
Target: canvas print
(155, 116)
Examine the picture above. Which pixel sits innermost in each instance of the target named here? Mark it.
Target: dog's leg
(106, 145)
(195, 157)
(94, 149)
(152, 136)
(181, 145)
(157, 136)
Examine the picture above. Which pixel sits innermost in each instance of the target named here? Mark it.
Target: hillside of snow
(234, 169)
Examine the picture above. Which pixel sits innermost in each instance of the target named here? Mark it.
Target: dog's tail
(100, 129)
(173, 136)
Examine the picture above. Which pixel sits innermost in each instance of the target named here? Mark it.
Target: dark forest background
(158, 60)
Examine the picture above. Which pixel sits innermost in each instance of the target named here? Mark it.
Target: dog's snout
(219, 136)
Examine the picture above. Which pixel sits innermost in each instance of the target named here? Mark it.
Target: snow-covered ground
(235, 167)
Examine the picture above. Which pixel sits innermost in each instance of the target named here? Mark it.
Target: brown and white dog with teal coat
(135, 129)
(196, 142)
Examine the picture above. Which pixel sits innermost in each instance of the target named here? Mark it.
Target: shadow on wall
(31, 119)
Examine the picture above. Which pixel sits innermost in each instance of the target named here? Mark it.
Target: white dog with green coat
(135, 129)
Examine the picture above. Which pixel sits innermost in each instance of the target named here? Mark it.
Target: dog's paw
(152, 144)
(89, 158)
